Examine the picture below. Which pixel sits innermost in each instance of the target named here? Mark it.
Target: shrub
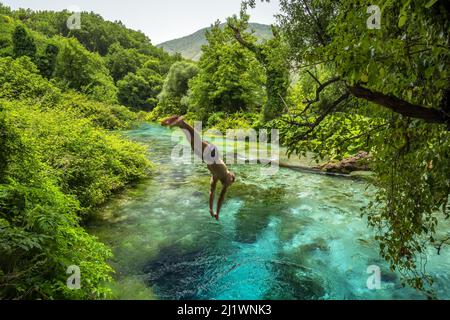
(40, 235)
(240, 120)
(88, 162)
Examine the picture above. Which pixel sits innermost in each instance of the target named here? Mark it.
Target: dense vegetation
(60, 100)
(331, 85)
(386, 91)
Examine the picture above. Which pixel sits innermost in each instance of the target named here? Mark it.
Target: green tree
(122, 61)
(47, 61)
(79, 69)
(175, 89)
(140, 91)
(230, 78)
(272, 54)
(395, 80)
(23, 43)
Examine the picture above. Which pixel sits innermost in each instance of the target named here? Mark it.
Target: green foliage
(277, 75)
(173, 97)
(406, 58)
(96, 163)
(272, 55)
(240, 120)
(57, 165)
(82, 70)
(122, 61)
(140, 91)
(108, 116)
(96, 34)
(412, 165)
(230, 78)
(40, 235)
(23, 43)
(177, 81)
(47, 62)
(19, 79)
(7, 27)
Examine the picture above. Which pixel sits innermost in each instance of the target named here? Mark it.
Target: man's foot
(216, 216)
(211, 212)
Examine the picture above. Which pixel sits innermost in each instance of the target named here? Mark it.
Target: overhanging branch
(400, 106)
(333, 107)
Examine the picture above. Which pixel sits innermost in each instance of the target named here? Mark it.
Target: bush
(19, 79)
(240, 120)
(88, 162)
(40, 235)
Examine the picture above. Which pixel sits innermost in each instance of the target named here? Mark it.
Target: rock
(318, 244)
(359, 162)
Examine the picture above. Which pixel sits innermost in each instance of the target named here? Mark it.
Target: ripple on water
(292, 235)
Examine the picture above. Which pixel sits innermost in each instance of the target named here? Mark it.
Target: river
(291, 235)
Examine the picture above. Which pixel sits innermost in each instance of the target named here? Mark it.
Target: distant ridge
(190, 46)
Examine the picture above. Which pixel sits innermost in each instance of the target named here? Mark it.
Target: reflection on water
(289, 236)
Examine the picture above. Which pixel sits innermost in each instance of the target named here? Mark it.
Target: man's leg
(211, 195)
(220, 201)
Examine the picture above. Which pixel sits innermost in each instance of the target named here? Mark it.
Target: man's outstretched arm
(211, 195)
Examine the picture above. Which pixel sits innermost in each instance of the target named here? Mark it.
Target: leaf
(430, 4)
(364, 78)
(402, 20)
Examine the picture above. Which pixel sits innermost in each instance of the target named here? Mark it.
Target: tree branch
(330, 109)
(319, 90)
(238, 36)
(401, 106)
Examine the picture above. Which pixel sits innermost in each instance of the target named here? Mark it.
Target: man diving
(209, 154)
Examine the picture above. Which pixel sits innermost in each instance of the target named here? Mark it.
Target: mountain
(190, 46)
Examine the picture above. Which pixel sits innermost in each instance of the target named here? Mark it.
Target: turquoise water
(292, 235)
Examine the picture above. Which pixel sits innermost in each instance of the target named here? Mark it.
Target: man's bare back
(208, 153)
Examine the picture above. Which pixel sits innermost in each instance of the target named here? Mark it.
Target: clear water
(289, 236)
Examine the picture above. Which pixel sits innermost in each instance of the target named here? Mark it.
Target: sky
(161, 20)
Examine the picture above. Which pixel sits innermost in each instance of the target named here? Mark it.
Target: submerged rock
(318, 244)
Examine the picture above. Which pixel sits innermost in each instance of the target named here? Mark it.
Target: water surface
(292, 235)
